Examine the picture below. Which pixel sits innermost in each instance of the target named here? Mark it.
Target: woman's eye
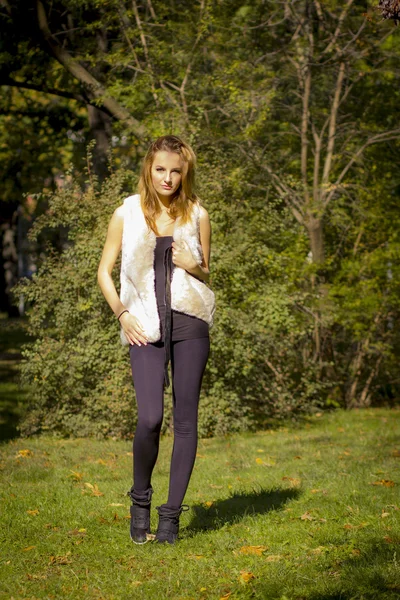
(159, 169)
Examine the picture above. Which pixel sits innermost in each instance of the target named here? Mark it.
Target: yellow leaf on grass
(24, 454)
(28, 548)
(294, 481)
(94, 489)
(384, 515)
(396, 453)
(208, 503)
(226, 596)
(258, 550)
(274, 558)
(245, 576)
(115, 504)
(33, 512)
(307, 517)
(384, 483)
(76, 476)
(60, 560)
(200, 455)
(203, 589)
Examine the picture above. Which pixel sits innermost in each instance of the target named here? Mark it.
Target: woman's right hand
(133, 329)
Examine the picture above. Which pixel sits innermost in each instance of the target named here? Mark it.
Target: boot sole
(149, 538)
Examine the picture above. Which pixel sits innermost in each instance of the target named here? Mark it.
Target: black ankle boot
(168, 524)
(140, 515)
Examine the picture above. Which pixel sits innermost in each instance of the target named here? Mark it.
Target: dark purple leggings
(188, 361)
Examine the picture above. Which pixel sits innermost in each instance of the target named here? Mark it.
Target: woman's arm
(182, 257)
(112, 247)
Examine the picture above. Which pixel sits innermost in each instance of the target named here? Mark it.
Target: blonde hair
(183, 201)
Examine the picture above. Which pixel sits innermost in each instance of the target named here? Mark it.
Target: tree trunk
(316, 234)
(100, 127)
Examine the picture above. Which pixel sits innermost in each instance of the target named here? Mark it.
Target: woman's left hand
(182, 256)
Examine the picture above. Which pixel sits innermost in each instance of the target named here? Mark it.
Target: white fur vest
(189, 295)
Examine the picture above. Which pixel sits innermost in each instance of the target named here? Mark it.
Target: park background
(292, 107)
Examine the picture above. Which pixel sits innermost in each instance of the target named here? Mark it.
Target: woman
(165, 310)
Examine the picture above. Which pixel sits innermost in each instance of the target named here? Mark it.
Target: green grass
(12, 396)
(304, 494)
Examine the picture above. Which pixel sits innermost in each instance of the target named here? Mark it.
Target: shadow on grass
(236, 507)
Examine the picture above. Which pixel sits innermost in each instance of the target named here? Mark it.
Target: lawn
(307, 511)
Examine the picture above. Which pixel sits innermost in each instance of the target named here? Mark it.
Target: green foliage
(76, 366)
(293, 330)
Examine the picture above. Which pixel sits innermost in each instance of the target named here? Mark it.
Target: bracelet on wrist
(120, 315)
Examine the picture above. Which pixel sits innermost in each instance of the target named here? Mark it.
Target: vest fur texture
(188, 294)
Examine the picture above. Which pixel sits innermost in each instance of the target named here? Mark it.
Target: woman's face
(166, 173)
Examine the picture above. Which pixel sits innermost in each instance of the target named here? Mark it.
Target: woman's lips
(167, 187)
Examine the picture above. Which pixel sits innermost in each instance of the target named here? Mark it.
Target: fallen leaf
(24, 454)
(216, 487)
(390, 540)
(208, 503)
(384, 515)
(203, 589)
(274, 558)
(258, 550)
(60, 560)
(356, 552)
(340, 429)
(136, 583)
(78, 532)
(269, 463)
(226, 596)
(94, 489)
(115, 504)
(307, 517)
(76, 476)
(260, 450)
(200, 455)
(294, 481)
(396, 453)
(384, 483)
(33, 512)
(245, 576)
(298, 457)
(28, 548)
(318, 550)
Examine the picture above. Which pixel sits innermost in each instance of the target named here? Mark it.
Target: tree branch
(336, 34)
(332, 125)
(380, 137)
(53, 91)
(89, 82)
